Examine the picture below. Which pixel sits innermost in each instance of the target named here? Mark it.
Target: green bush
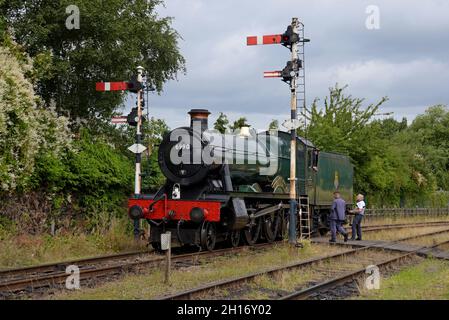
(27, 131)
(93, 178)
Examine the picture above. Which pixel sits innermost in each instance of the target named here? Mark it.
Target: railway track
(341, 279)
(218, 289)
(48, 276)
(378, 227)
(352, 276)
(27, 280)
(58, 266)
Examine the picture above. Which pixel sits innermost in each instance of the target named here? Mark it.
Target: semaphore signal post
(133, 119)
(291, 40)
(138, 148)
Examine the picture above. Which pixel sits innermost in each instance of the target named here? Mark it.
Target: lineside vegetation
(65, 170)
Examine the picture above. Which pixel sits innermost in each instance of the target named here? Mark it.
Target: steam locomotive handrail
(163, 197)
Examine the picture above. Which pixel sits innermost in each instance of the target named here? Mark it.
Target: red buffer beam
(269, 39)
(111, 86)
(272, 74)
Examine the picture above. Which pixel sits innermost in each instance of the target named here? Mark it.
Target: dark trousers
(357, 226)
(336, 225)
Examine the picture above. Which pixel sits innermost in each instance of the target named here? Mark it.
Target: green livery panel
(333, 172)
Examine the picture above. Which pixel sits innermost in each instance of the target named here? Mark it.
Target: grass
(395, 234)
(285, 282)
(425, 281)
(151, 285)
(373, 220)
(26, 250)
(444, 247)
(430, 241)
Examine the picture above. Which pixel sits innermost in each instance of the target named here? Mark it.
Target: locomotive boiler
(234, 187)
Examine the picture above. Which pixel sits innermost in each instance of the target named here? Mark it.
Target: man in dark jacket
(337, 217)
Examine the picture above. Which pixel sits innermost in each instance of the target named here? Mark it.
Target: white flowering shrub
(26, 130)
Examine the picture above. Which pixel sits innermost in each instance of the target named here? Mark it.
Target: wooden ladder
(305, 221)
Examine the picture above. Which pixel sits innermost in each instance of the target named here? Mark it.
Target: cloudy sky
(407, 59)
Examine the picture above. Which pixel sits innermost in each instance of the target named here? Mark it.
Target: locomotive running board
(260, 195)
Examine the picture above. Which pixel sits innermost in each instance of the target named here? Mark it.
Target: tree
(274, 125)
(430, 133)
(240, 122)
(340, 125)
(387, 128)
(111, 42)
(26, 131)
(221, 123)
(391, 161)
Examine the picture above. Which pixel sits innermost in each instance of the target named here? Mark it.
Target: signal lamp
(289, 37)
(134, 85)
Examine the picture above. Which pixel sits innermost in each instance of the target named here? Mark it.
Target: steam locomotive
(234, 187)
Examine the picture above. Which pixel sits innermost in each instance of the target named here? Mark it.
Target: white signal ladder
(301, 104)
(305, 219)
(301, 80)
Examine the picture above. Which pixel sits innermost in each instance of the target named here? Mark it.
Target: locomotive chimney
(199, 116)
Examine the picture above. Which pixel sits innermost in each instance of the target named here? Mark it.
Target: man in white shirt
(357, 221)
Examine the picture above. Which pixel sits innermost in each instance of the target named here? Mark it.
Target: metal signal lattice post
(290, 74)
(293, 106)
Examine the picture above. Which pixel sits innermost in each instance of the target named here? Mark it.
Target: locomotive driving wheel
(283, 225)
(271, 224)
(208, 235)
(252, 232)
(234, 238)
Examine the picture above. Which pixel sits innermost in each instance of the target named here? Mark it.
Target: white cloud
(406, 83)
(177, 118)
(406, 59)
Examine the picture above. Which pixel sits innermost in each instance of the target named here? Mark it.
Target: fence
(407, 212)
